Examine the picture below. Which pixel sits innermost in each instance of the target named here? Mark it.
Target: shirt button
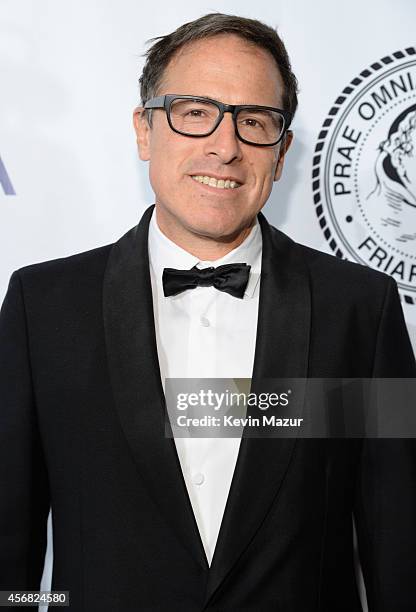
(205, 322)
(198, 478)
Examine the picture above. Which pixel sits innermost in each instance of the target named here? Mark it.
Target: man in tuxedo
(202, 287)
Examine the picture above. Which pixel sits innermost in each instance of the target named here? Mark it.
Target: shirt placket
(203, 330)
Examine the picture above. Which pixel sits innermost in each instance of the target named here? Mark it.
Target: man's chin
(221, 232)
(210, 222)
(216, 221)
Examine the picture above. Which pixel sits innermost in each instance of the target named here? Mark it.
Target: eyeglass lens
(199, 117)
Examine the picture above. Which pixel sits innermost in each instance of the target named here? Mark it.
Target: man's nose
(223, 142)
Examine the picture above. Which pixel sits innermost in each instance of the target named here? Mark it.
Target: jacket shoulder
(336, 280)
(65, 276)
(86, 261)
(342, 273)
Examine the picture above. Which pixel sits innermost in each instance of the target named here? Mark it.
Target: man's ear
(287, 141)
(142, 129)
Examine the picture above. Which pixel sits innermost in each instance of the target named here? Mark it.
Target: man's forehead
(219, 55)
(221, 45)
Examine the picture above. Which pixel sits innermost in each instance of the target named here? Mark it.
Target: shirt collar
(163, 253)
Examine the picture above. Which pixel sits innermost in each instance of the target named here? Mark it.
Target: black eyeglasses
(263, 126)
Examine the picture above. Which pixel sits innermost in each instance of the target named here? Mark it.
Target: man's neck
(204, 247)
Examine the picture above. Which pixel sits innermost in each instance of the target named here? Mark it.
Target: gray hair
(208, 26)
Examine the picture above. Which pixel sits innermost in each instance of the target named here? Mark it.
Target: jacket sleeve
(24, 491)
(385, 502)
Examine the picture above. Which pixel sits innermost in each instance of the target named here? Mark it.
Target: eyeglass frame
(165, 102)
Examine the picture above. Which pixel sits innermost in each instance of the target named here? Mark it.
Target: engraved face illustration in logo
(394, 193)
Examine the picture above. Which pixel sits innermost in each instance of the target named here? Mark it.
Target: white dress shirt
(205, 333)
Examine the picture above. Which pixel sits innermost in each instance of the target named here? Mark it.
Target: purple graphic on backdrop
(5, 180)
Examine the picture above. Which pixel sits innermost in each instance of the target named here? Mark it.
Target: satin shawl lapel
(282, 349)
(136, 383)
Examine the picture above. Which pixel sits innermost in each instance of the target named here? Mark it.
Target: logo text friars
(364, 170)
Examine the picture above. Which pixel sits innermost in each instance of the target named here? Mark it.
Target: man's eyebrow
(239, 104)
(202, 96)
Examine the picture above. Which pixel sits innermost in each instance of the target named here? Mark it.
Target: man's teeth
(213, 182)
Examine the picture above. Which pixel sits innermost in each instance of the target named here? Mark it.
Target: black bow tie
(232, 278)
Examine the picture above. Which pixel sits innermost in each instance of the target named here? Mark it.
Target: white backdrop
(69, 83)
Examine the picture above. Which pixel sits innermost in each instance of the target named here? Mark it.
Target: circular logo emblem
(364, 170)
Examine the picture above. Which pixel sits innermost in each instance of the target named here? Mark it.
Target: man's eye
(195, 112)
(250, 122)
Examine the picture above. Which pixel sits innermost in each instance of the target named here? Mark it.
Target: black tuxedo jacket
(82, 431)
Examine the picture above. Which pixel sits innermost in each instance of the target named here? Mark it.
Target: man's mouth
(218, 183)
